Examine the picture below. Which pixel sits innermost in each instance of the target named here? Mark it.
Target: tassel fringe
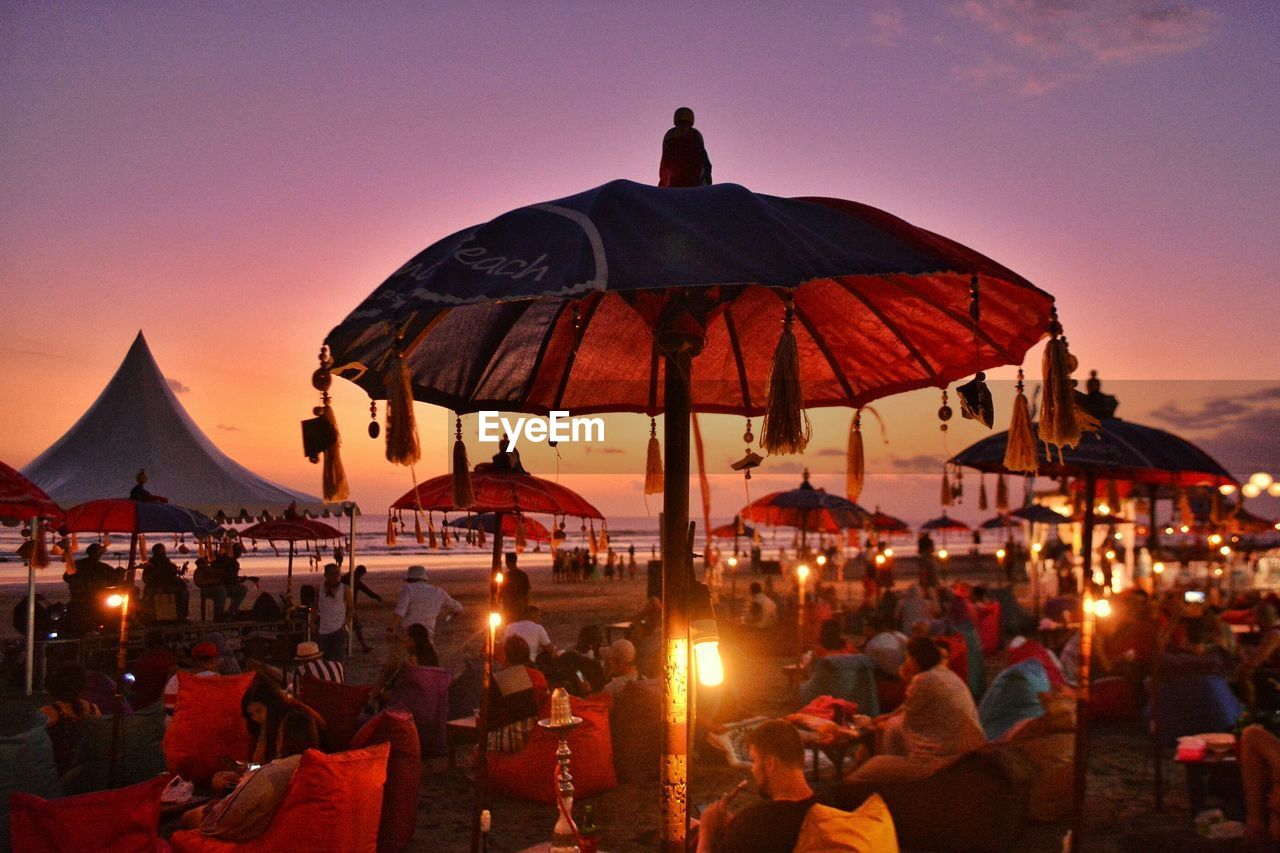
(402, 428)
(946, 489)
(334, 476)
(431, 534)
(982, 494)
(463, 495)
(855, 461)
(786, 426)
(391, 530)
(40, 550)
(1020, 449)
(1058, 424)
(1002, 494)
(653, 475)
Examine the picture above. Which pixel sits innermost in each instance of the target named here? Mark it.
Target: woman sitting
(264, 707)
(246, 812)
(414, 680)
(67, 712)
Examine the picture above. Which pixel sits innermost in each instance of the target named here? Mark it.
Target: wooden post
(479, 837)
(674, 821)
(1080, 768)
(31, 608)
(122, 658)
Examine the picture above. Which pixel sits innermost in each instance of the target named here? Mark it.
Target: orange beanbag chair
(339, 705)
(207, 726)
(528, 774)
(333, 803)
(124, 820)
(404, 776)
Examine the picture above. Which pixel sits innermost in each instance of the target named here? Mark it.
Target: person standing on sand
(420, 603)
(684, 155)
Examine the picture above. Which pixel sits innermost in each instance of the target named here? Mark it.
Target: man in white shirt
(533, 634)
(333, 613)
(621, 657)
(420, 603)
(762, 611)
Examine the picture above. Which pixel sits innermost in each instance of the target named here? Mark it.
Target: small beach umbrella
(23, 500)
(1039, 514)
(945, 524)
(487, 521)
(806, 508)
(732, 531)
(1000, 522)
(292, 530)
(709, 299)
(882, 522)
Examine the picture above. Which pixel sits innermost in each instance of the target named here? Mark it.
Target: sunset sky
(233, 178)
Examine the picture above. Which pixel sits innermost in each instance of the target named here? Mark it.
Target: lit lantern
(705, 635)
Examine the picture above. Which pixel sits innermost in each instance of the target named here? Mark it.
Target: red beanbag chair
(124, 820)
(958, 661)
(527, 774)
(1111, 698)
(333, 803)
(1032, 649)
(207, 726)
(404, 776)
(989, 626)
(339, 705)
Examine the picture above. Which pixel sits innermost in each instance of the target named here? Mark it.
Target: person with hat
(684, 155)
(420, 603)
(88, 579)
(309, 662)
(204, 663)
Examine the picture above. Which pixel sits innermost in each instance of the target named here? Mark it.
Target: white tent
(137, 423)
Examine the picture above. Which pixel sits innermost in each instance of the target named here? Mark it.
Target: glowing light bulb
(888, 552)
(1158, 568)
(1036, 547)
(1104, 509)
(1225, 550)
(1215, 539)
(710, 667)
(822, 559)
(115, 599)
(1101, 608)
(1274, 490)
(1000, 554)
(942, 552)
(879, 559)
(733, 562)
(802, 572)
(1217, 573)
(1111, 555)
(1184, 529)
(1227, 489)
(495, 619)
(1251, 490)
(1119, 536)
(1262, 480)
(498, 578)
(1169, 531)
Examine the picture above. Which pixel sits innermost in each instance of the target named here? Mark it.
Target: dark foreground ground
(1120, 813)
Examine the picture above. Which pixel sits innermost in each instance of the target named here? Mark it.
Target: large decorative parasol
(807, 509)
(733, 531)
(735, 302)
(291, 529)
(1000, 522)
(1116, 450)
(1039, 514)
(882, 522)
(945, 524)
(22, 499)
(500, 488)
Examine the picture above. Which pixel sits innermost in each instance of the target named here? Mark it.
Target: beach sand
(1120, 809)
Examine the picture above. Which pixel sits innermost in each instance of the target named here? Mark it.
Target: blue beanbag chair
(1193, 704)
(26, 764)
(850, 677)
(141, 751)
(1013, 696)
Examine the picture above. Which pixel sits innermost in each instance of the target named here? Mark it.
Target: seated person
(886, 647)
(912, 609)
(264, 706)
(152, 670)
(1260, 774)
(257, 791)
(534, 635)
(621, 660)
(937, 721)
(772, 825)
(579, 670)
(161, 576)
(831, 640)
(67, 712)
(204, 662)
(518, 692)
(308, 661)
(414, 649)
(762, 611)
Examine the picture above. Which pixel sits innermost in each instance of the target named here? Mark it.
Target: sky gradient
(233, 178)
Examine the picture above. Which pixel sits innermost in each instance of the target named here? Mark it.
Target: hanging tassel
(653, 477)
(402, 429)
(854, 462)
(946, 495)
(444, 533)
(604, 537)
(75, 546)
(1113, 496)
(69, 557)
(1058, 424)
(335, 476)
(431, 533)
(1020, 448)
(480, 537)
(786, 425)
(521, 542)
(463, 496)
(391, 530)
(40, 551)
(1002, 494)
(982, 494)
(1185, 515)
(417, 529)
(142, 544)
(592, 543)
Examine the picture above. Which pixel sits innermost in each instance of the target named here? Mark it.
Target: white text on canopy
(558, 426)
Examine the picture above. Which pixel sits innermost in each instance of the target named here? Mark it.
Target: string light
(1158, 568)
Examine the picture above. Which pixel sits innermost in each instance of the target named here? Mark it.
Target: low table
(1200, 771)
(847, 739)
(460, 732)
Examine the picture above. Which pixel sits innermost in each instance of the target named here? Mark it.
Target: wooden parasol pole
(31, 607)
(678, 407)
(122, 661)
(479, 837)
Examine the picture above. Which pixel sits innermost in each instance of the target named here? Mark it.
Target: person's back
(912, 608)
(940, 718)
(420, 603)
(66, 714)
(532, 633)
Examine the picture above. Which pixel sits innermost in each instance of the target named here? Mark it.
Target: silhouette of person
(684, 155)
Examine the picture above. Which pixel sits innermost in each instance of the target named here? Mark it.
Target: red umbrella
(486, 521)
(501, 489)
(731, 531)
(807, 509)
(291, 530)
(22, 499)
(885, 523)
